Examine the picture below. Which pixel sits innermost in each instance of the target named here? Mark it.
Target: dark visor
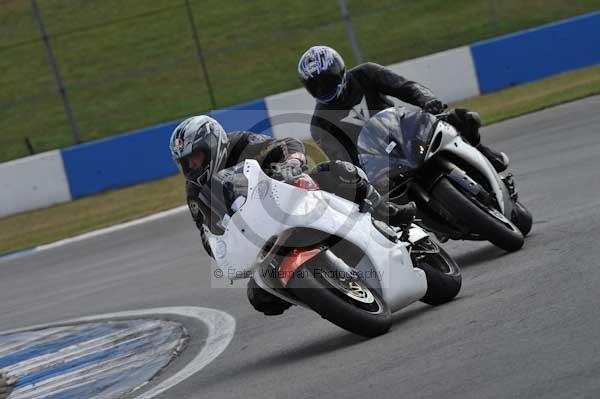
(325, 87)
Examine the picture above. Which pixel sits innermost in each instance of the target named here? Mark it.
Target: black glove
(434, 106)
(287, 170)
(466, 122)
(394, 214)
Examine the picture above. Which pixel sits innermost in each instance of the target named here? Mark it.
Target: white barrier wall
(449, 74)
(33, 182)
(290, 113)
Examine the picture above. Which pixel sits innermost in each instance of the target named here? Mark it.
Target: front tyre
(343, 300)
(486, 221)
(444, 279)
(521, 217)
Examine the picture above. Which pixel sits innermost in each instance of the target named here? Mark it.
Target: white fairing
(453, 143)
(273, 207)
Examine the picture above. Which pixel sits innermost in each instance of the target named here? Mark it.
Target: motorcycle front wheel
(480, 219)
(444, 279)
(343, 299)
(521, 217)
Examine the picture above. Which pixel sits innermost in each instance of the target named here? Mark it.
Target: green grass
(127, 65)
(41, 226)
(34, 228)
(534, 96)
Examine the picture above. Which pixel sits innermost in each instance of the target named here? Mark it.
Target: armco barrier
(537, 53)
(33, 182)
(450, 74)
(142, 155)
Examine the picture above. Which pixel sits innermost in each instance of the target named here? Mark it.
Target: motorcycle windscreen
(393, 143)
(227, 191)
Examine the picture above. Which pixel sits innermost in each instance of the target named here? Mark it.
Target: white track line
(36, 335)
(221, 327)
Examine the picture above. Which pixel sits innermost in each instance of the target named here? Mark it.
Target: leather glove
(434, 106)
(288, 169)
(394, 214)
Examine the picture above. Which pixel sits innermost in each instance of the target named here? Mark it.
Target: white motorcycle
(314, 249)
(416, 156)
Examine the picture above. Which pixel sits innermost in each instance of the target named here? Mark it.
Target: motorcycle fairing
(273, 207)
(394, 142)
(453, 143)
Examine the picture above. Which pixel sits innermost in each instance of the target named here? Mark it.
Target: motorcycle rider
(201, 148)
(347, 99)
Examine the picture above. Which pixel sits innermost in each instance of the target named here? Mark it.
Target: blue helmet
(199, 134)
(322, 71)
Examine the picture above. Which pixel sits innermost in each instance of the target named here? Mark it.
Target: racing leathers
(241, 146)
(335, 125)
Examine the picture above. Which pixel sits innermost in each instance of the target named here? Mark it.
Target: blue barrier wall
(537, 53)
(250, 116)
(144, 154)
(119, 161)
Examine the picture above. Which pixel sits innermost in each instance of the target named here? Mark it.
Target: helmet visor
(195, 167)
(326, 86)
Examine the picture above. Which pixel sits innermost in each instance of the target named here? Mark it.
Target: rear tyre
(346, 302)
(521, 217)
(444, 279)
(497, 229)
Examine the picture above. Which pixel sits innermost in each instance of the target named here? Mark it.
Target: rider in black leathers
(347, 99)
(201, 148)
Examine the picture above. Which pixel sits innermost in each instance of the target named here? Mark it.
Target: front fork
(510, 185)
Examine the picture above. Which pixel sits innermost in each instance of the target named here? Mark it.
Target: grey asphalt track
(526, 324)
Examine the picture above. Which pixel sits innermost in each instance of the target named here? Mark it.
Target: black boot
(265, 302)
(499, 160)
(388, 212)
(394, 214)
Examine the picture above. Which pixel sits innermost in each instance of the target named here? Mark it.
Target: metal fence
(78, 70)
